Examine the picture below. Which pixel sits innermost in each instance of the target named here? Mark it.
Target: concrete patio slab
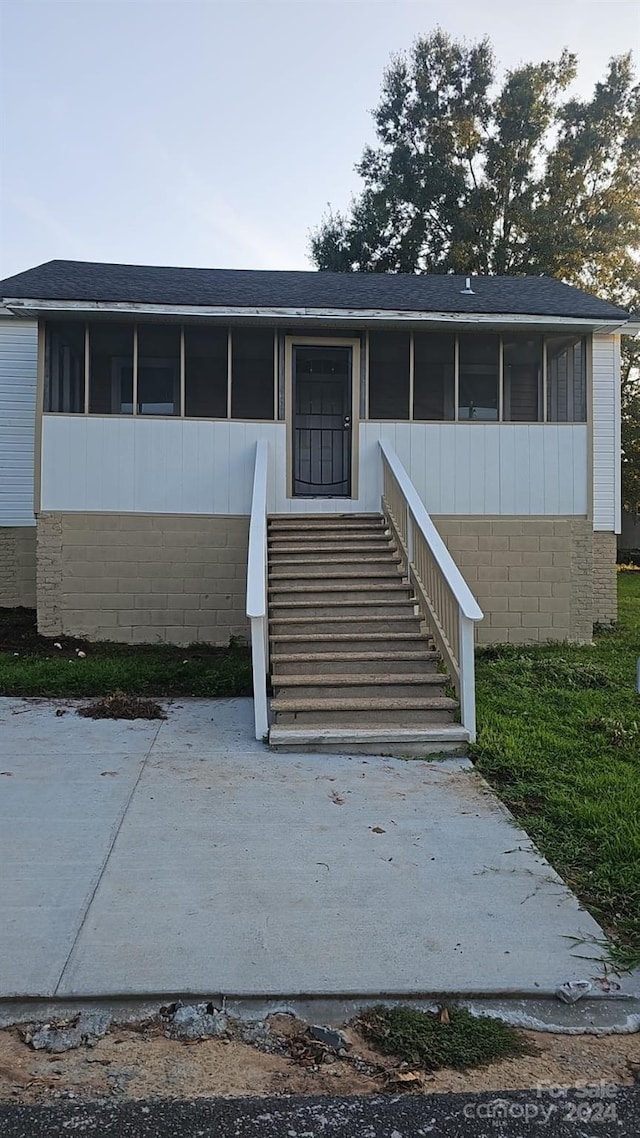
(207, 864)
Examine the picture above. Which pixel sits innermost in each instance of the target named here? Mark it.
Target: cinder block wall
(605, 589)
(18, 566)
(533, 577)
(142, 578)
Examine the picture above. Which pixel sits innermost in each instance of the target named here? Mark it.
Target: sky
(217, 132)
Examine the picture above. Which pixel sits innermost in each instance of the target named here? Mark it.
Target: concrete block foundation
(17, 566)
(142, 578)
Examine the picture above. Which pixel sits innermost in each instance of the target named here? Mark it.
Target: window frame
(180, 382)
(544, 402)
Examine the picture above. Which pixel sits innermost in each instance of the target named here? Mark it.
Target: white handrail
(455, 580)
(451, 608)
(257, 589)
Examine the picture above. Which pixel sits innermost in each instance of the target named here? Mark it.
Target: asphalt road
(608, 1112)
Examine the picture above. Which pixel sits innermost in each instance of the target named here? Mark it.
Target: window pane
(64, 368)
(478, 382)
(205, 351)
(433, 375)
(158, 369)
(111, 369)
(522, 370)
(389, 375)
(252, 373)
(566, 379)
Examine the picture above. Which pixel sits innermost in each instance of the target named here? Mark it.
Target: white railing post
(257, 590)
(467, 676)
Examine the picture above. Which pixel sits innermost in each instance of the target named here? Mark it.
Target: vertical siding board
(18, 383)
(566, 495)
(606, 450)
(508, 457)
(522, 470)
(477, 457)
(537, 489)
(552, 468)
(491, 474)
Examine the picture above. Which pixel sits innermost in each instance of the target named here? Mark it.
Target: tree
(472, 176)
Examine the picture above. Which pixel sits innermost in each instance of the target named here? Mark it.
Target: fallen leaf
(336, 799)
(60, 711)
(108, 772)
(408, 1080)
(377, 830)
(7, 773)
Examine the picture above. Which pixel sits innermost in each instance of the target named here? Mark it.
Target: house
(143, 410)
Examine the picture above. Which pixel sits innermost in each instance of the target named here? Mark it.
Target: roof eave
(42, 307)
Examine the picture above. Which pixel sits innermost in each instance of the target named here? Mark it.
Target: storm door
(322, 432)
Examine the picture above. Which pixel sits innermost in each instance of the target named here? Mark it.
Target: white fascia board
(365, 315)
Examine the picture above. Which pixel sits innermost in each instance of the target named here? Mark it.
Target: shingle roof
(248, 288)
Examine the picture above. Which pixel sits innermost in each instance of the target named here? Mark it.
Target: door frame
(320, 341)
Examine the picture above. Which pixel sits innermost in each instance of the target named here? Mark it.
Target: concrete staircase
(351, 665)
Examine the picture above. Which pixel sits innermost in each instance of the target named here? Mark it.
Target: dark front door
(321, 422)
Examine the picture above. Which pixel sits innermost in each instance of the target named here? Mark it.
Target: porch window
(434, 356)
(389, 363)
(522, 377)
(479, 373)
(158, 369)
(206, 372)
(110, 368)
(566, 379)
(64, 368)
(252, 373)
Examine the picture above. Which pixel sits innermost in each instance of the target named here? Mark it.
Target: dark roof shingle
(249, 288)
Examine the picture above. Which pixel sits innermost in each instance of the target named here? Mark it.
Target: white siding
(507, 468)
(18, 380)
(606, 433)
(200, 467)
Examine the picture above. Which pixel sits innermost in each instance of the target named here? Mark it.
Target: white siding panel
(200, 467)
(606, 433)
(18, 382)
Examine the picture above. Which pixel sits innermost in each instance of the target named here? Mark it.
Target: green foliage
(456, 1039)
(474, 177)
(558, 739)
(31, 665)
(541, 672)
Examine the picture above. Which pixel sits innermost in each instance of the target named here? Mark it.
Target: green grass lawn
(559, 739)
(32, 666)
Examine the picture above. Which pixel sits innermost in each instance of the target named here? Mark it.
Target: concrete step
(325, 521)
(301, 608)
(359, 711)
(357, 625)
(384, 739)
(324, 592)
(285, 545)
(348, 641)
(356, 572)
(361, 685)
(335, 535)
(338, 663)
(336, 562)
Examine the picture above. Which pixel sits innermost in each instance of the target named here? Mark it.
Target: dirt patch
(19, 633)
(119, 705)
(140, 1063)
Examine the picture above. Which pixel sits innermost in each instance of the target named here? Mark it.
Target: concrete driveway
(146, 858)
